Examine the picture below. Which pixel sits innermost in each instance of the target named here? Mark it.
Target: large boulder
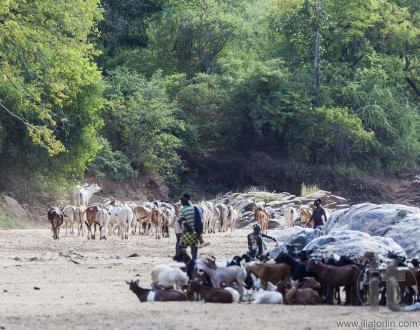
(349, 242)
(13, 208)
(297, 237)
(399, 222)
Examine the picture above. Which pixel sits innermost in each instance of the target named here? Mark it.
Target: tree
(188, 36)
(45, 61)
(142, 122)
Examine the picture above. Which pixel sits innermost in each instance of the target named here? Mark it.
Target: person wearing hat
(317, 215)
(256, 246)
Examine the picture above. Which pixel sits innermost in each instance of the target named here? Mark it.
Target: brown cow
(91, 220)
(56, 217)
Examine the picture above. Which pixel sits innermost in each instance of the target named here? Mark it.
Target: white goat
(232, 216)
(290, 215)
(234, 293)
(264, 297)
(258, 285)
(168, 277)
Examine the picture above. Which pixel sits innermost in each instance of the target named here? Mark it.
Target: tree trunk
(317, 56)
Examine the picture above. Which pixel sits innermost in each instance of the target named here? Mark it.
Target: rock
(347, 242)
(297, 236)
(416, 183)
(13, 208)
(337, 200)
(399, 222)
(273, 224)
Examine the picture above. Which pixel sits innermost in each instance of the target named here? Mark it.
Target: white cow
(69, 212)
(214, 216)
(223, 216)
(102, 218)
(207, 214)
(123, 215)
(83, 194)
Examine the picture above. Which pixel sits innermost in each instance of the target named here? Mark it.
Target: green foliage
(337, 134)
(189, 36)
(6, 222)
(146, 122)
(45, 61)
(111, 163)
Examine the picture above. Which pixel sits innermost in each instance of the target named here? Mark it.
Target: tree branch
(413, 85)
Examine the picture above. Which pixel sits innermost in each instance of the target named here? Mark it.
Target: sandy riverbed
(75, 283)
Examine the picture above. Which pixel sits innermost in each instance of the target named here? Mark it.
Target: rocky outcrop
(13, 208)
(296, 237)
(398, 222)
(277, 203)
(351, 242)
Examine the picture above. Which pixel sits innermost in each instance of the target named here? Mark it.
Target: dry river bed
(75, 283)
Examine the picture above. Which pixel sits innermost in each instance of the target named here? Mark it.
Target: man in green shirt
(189, 235)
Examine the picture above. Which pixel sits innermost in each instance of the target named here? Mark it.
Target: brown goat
(209, 294)
(56, 218)
(262, 217)
(305, 215)
(145, 295)
(411, 278)
(296, 296)
(91, 220)
(333, 276)
(270, 272)
(311, 283)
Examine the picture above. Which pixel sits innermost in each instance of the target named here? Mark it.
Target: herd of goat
(290, 278)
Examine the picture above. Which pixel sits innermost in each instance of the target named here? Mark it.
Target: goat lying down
(213, 295)
(263, 297)
(168, 277)
(146, 295)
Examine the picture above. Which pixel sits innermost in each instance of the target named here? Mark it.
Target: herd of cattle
(117, 216)
(290, 278)
(121, 218)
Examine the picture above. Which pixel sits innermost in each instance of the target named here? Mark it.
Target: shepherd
(317, 215)
(192, 227)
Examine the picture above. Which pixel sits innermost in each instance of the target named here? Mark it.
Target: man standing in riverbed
(189, 236)
(317, 215)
